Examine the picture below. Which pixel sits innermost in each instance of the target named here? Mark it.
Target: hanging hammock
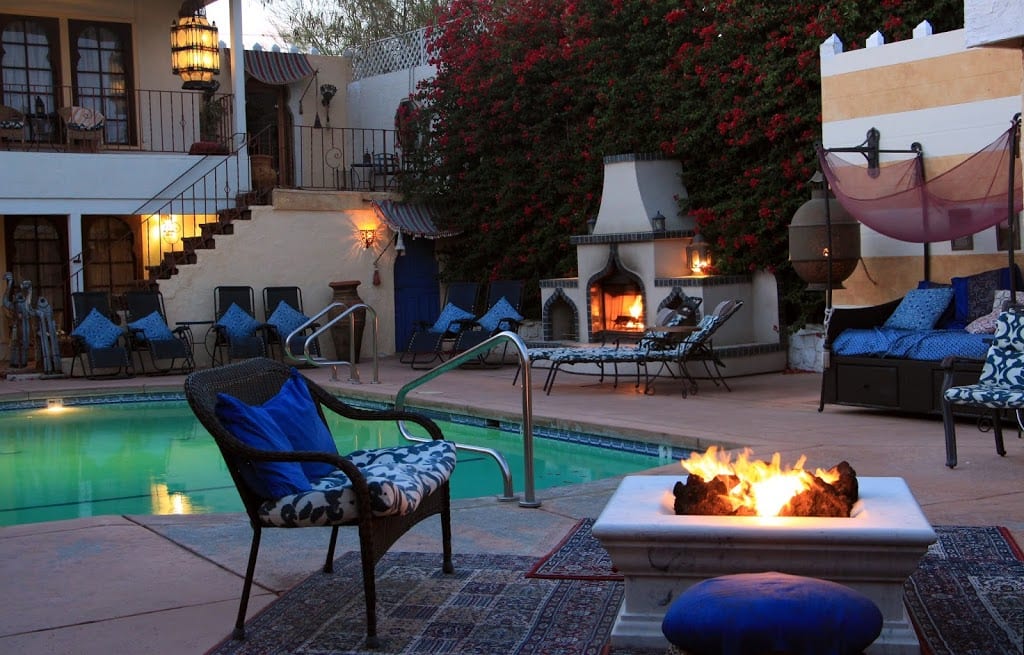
(896, 200)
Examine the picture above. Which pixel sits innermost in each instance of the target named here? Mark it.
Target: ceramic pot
(345, 292)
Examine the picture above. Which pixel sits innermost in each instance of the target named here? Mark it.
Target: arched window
(37, 251)
(28, 62)
(100, 55)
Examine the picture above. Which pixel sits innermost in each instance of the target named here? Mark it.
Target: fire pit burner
(661, 554)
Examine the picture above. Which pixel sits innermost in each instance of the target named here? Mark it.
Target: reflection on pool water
(153, 457)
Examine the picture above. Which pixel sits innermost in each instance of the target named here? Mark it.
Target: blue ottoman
(755, 613)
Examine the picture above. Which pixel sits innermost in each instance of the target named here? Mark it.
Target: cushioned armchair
(99, 343)
(83, 127)
(12, 125)
(269, 422)
(1000, 387)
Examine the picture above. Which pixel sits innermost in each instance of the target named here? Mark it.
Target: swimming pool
(141, 455)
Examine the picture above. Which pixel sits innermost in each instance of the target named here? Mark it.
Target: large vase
(341, 332)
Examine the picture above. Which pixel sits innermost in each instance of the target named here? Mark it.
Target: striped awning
(277, 67)
(414, 220)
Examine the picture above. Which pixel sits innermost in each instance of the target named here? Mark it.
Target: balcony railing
(141, 120)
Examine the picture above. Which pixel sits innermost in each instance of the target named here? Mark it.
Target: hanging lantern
(195, 49)
(819, 222)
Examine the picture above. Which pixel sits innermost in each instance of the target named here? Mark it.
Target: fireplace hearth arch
(611, 293)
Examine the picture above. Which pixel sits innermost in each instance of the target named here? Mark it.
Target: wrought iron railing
(137, 120)
(342, 159)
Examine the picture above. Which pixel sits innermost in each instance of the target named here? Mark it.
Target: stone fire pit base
(661, 554)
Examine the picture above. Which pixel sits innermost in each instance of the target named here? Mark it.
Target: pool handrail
(315, 360)
(529, 498)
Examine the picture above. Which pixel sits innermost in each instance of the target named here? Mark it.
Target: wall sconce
(195, 49)
(327, 92)
(369, 236)
(170, 232)
(698, 258)
(658, 222)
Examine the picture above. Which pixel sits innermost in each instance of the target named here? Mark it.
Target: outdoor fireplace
(661, 554)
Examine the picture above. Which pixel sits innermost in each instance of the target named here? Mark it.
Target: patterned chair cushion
(920, 309)
(286, 319)
(1001, 384)
(152, 327)
(499, 315)
(237, 322)
(12, 124)
(447, 321)
(97, 330)
(399, 479)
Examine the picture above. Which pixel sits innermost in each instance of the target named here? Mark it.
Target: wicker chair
(83, 127)
(259, 383)
(12, 125)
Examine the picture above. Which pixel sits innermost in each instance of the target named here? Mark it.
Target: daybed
(890, 356)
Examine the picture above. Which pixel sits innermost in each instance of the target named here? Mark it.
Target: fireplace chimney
(637, 188)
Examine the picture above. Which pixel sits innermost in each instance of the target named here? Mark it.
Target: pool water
(155, 458)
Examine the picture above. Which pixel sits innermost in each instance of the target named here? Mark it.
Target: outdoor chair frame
(138, 305)
(254, 382)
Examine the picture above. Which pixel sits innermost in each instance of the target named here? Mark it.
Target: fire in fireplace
(719, 486)
(616, 300)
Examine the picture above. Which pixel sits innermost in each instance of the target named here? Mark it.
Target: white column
(75, 247)
(239, 127)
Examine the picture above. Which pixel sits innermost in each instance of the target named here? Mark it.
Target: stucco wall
(308, 239)
(932, 90)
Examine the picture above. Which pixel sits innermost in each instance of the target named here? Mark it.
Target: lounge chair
(427, 342)
(99, 342)
(1000, 387)
(697, 347)
(269, 423)
(148, 333)
(283, 314)
(238, 335)
(504, 298)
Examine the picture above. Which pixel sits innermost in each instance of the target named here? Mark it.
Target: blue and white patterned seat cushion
(12, 124)
(399, 479)
(1001, 384)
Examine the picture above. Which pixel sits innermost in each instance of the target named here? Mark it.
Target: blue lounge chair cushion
(238, 323)
(771, 612)
(152, 327)
(499, 315)
(920, 309)
(97, 330)
(399, 479)
(286, 319)
(255, 427)
(447, 321)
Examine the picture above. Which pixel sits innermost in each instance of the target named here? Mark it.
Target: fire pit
(661, 553)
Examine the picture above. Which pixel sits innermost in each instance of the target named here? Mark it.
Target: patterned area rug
(965, 598)
(967, 595)
(487, 607)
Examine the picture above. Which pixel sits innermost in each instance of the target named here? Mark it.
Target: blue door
(417, 297)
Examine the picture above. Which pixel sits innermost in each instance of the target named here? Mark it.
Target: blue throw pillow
(449, 315)
(97, 330)
(238, 323)
(973, 294)
(771, 612)
(499, 312)
(152, 327)
(254, 427)
(286, 319)
(920, 309)
(296, 415)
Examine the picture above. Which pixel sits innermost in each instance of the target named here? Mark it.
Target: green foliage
(530, 96)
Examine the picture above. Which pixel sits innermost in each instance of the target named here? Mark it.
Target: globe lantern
(824, 240)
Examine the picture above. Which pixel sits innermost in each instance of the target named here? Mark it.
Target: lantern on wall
(698, 257)
(195, 49)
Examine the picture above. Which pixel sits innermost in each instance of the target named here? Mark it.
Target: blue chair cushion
(399, 479)
(771, 612)
(286, 319)
(152, 327)
(255, 427)
(97, 330)
(499, 315)
(920, 309)
(295, 413)
(237, 322)
(446, 322)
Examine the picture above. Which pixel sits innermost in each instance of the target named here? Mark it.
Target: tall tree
(335, 26)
